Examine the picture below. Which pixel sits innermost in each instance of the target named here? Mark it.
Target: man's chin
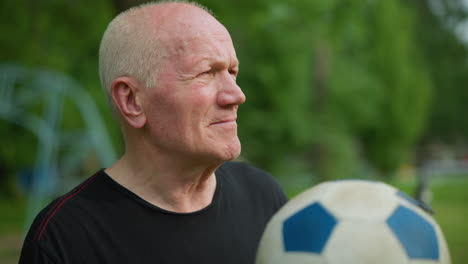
(224, 152)
(232, 152)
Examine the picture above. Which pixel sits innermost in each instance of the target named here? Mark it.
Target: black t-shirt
(102, 222)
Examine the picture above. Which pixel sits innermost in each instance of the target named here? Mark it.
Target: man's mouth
(226, 121)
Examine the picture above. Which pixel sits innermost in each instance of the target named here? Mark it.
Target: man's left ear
(126, 93)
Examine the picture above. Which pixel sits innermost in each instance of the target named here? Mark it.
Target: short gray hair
(130, 46)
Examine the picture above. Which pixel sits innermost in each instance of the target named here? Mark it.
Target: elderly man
(170, 71)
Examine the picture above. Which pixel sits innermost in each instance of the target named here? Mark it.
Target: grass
(12, 218)
(450, 202)
(11, 229)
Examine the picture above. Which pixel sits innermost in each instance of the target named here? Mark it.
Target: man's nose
(229, 92)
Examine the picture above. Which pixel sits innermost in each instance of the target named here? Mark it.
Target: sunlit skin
(179, 131)
(196, 99)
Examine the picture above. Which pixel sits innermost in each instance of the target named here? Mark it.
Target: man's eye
(206, 72)
(233, 73)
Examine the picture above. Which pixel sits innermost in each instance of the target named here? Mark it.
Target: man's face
(192, 110)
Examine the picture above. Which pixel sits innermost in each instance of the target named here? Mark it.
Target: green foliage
(55, 35)
(275, 73)
(326, 80)
(339, 88)
(446, 55)
(397, 63)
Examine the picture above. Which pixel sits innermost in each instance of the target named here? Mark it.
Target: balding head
(136, 41)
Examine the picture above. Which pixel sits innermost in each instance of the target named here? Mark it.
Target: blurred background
(335, 89)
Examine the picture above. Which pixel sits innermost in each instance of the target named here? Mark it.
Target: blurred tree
(396, 61)
(331, 83)
(441, 30)
(51, 34)
(121, 5)
(335, 87)
(275, 47)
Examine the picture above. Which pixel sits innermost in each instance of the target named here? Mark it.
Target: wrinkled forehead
(190, 30)
(191, 43)
(175, 21)
(201, 43)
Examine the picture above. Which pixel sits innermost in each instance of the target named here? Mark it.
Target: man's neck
(172, 186)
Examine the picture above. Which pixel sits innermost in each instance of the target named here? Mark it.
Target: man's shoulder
(62, 211)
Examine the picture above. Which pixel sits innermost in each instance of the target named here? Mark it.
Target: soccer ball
(352, 222)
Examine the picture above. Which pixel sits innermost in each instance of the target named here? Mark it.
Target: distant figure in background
(169, 70)
(423, 192)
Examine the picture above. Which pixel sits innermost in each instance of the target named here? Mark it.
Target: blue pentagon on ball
(308, 230)
(415, 234)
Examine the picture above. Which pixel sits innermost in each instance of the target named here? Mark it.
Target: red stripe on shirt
(60, 205)
(48, 213)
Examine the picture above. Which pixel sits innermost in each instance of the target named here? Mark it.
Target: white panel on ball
(345, 202)
(363, 242)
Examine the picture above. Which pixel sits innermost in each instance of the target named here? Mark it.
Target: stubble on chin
(233, 150)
